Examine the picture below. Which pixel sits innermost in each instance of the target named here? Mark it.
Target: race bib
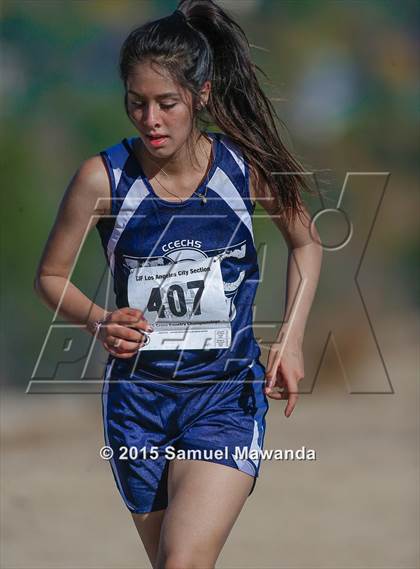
(184, 302)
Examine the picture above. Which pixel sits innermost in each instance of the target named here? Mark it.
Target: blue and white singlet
(190, 266)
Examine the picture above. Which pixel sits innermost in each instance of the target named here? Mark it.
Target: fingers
(282, 389)
(291, 394)
(116, 354)
(275, 393)
(122, 348)
(293, 397)
(131, 317)
(129, 335)
(124, 332)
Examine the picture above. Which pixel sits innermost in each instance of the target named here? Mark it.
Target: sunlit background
(344, 79)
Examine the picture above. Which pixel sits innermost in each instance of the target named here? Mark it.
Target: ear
(205, 92)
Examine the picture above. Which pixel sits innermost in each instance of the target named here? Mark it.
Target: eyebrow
(161, 96)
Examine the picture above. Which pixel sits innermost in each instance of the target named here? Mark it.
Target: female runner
(173, 207)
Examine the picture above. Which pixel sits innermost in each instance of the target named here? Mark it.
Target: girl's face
(158, 106)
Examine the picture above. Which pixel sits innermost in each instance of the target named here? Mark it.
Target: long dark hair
(200, 41)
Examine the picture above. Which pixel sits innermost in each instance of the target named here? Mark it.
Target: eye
(139, 105)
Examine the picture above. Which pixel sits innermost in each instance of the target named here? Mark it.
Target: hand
(284, 370)
(119, 333)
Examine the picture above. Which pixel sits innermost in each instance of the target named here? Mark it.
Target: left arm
(285, 366)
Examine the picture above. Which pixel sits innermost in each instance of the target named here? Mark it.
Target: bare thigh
(149, 526)
(205, 499)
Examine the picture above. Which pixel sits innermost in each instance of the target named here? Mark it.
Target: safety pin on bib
(147, 340)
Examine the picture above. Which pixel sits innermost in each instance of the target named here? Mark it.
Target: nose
(150, 116)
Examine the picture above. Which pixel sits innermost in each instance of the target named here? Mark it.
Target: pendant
(204, 199)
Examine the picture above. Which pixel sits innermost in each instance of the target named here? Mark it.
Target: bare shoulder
(91, 183)
(85, 200)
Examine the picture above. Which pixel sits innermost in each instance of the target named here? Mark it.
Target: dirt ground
(355, 506)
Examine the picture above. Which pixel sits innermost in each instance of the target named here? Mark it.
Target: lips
(156, 136)
(157, 141)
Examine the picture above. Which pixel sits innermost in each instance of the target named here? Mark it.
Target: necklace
(203, 196)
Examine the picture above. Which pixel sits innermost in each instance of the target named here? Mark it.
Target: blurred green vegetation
(346, 74)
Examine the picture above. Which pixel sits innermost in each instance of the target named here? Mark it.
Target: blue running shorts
(147, 423)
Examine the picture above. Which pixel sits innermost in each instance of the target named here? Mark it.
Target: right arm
(86, 199)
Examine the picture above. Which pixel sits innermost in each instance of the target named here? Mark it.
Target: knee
(183, 561)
